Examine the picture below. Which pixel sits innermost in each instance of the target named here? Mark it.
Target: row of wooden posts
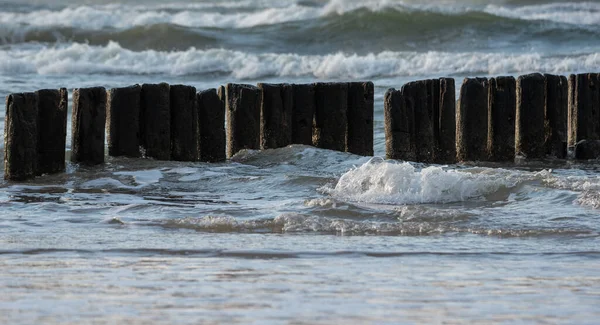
(497, 119)
(174, 122)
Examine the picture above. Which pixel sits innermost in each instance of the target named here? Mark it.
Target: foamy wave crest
(114, 59)
(401, 183)
(191, 15)
(588, 187)
(576, 13)
(122, 16)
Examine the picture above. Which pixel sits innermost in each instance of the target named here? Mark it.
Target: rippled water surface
(298, 235)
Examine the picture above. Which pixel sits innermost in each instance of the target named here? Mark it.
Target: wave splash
(388, 182)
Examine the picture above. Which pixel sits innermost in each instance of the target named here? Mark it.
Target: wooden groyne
(176, 122)
(494, 119)
(498, 119)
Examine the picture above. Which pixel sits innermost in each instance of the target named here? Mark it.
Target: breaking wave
(114, 59)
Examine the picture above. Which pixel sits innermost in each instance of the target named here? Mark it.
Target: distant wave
(114, 59)
(229, 15)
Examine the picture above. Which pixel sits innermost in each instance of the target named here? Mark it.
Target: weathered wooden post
(20, 136)
(52, 130)
(243, 118)
(399, 127)
(276, 106)
(472, 119)
(529, 127)
(447, 122)
(211, 120)
(123, 121)
(88, 122)
(184, 123)
(360, 118)
(501, 119)
(556, 115)
(584, 110)
(331, 120)
(419, 100)
(303, 113)
(155, 121)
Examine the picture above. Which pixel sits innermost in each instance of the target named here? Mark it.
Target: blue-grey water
(298, 235)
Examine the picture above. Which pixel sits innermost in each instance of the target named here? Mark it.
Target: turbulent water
(298, 235)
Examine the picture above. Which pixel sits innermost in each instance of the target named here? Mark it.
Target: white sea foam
(401, 183)
(123, 16)
(113, 59)
(577, 13)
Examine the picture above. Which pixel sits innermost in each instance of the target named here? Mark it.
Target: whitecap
(114, 59)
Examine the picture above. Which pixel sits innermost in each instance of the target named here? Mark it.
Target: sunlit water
(298, 235)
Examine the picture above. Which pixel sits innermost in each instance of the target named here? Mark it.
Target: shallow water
(298, 235)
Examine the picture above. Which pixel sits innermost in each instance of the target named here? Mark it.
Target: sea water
(298, 235)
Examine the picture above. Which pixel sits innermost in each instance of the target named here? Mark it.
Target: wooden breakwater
(175, 122)
(497, 119)
(494, 119)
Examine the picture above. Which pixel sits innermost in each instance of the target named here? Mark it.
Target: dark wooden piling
(123, 121)
(556, 116)
(501, 119)
(331, 116)
(447, 122)
(419, 99)
(276, 106)
(211, 120)
(155, 121)
(360, 118)
(399, 127)
(529, 126)
(471, 124)
(88, 124)
(303, 113)
(587, 149)
(20, 136)
(184, 123)
(584, 108)
(242, 106)
(52, 130)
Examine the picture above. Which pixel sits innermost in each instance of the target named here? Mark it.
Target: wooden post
(276, 106)
(211, 120)
(243, 118)
(584, 108)
(529, 128)
(20, 136)
(155, 121)
(556, 116)
(447, 122)
(360, 118)
(184, 123)
(471, 124)
(419, 100)
(52, 130)
(399, 127)
(331, 116)
(501, 119)
(303, 113)
(88, 122)
(123, 121)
